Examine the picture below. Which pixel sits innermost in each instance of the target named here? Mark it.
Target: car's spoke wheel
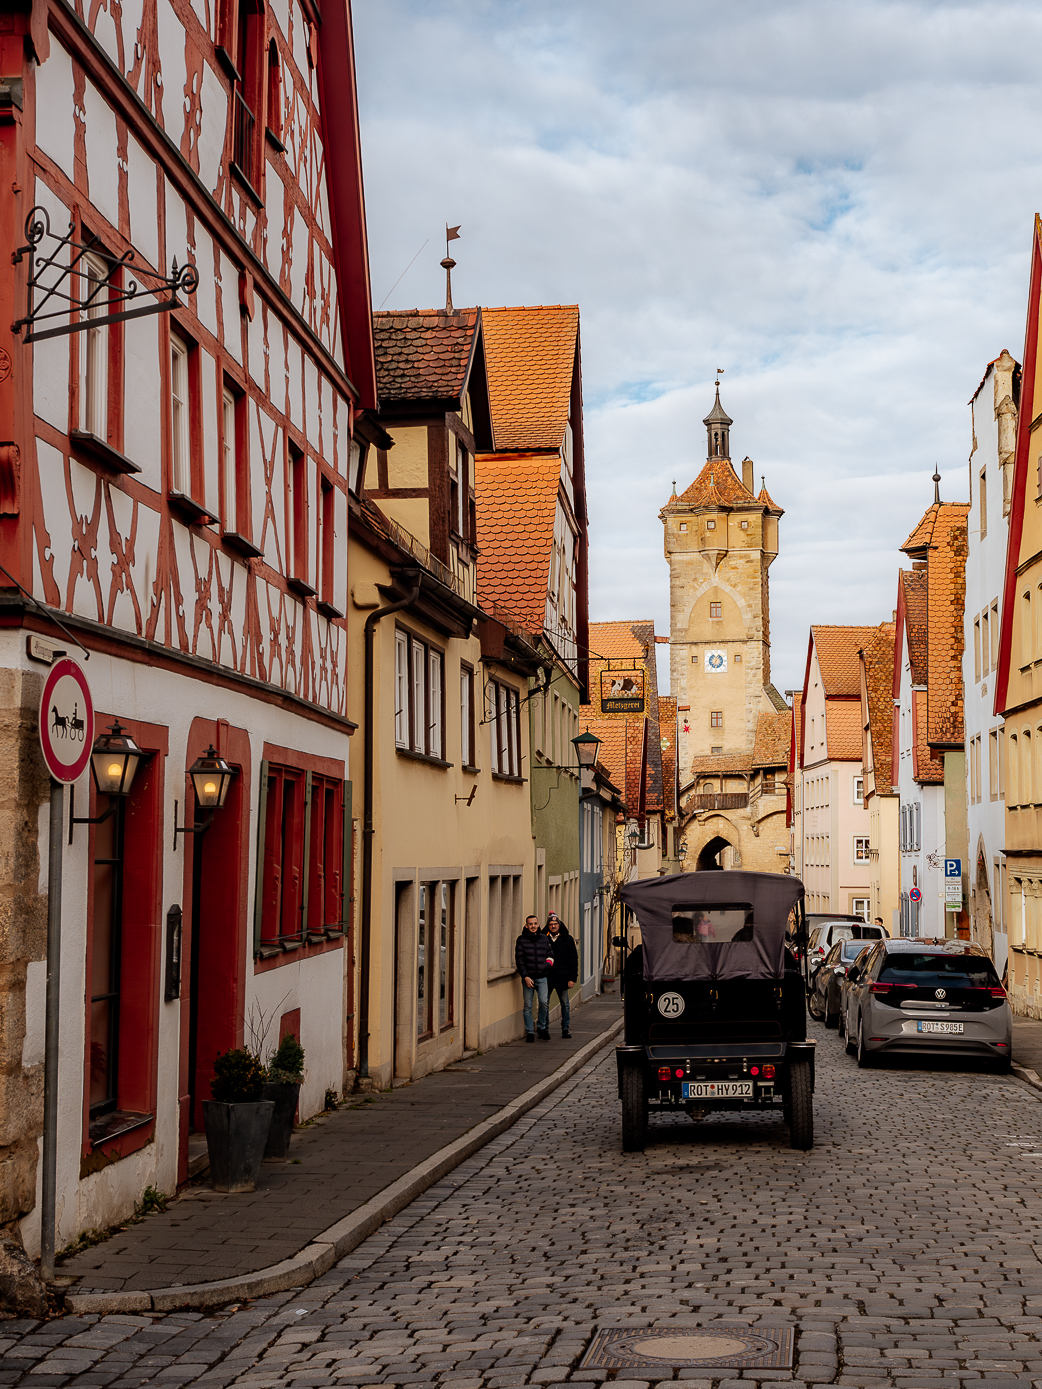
(812, 1005)
(801, 1106)
(864, 1057)
(634, 1110)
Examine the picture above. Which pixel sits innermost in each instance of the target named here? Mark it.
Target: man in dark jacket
(565, 968)
(533, 957)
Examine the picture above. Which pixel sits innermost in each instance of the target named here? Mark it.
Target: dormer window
(710, 525)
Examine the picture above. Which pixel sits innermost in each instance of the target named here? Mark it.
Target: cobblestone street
(902, 1249)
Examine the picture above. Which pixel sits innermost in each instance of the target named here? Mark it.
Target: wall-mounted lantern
(586, 746)
(211, 776)
(114, 760)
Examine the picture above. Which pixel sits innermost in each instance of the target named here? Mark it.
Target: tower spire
(449, 265)
(718, 424)
(936, 487)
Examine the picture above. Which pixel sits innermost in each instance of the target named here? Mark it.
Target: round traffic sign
(915, 895)
(66, 721)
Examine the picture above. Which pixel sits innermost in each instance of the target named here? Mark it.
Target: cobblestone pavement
(902, 1248)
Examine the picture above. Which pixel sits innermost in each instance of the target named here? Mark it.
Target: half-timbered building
(184, 263)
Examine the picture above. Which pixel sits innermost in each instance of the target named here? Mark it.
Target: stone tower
(721, 538)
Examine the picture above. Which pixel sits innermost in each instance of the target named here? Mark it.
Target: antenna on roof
(449, 265)
(936, 487)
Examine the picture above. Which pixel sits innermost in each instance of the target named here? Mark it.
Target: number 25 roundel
(671, 1005)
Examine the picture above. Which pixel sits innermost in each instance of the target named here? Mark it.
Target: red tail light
(997, 991)
(664, 1073)
(754, 1070)
(680, 1074)
(888, 988)
(768, 1072)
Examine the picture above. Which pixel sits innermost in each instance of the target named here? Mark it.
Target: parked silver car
(825, 931)
(939, 996)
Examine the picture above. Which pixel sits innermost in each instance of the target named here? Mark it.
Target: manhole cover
(728, 1347)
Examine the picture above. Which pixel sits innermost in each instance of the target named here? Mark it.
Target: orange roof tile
(878, 658)
(946, 594)
(530, 356)
(625, 641)
(667, 727)
(424, 354)
(516, 507)
(636, 765)
(765, 497)
(843, 730)
(612, 751)
(618, 640)
(773, 734)
(838, 661)
(931, 530)
(724, 762)
(913, 582)
(929, 767)
(717, 485)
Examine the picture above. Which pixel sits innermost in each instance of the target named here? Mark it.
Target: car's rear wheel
(812, 1004)
(831, 1019)
(634, 1110)
(841, 1022)
(1003, 1065)
(801, 1106)
(864, 1056)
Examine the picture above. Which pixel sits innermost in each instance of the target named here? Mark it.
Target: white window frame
(401, 689)
(180, 417)
(419, 713)
(861, 848)
(434, 703)
(859, 790)
(466, 710)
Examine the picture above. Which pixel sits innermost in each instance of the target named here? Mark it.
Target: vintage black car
(714, 1002)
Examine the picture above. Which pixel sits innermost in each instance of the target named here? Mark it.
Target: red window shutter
(270, 890)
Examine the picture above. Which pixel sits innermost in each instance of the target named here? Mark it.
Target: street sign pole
(50, 1066)
(66, 728)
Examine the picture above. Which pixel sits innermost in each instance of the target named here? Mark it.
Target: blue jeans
(542, 988)
(566, 1007)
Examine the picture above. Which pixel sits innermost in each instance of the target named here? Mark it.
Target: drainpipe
(367, 820)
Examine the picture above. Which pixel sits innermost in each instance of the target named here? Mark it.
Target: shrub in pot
(237, 1121)
(282, 1087)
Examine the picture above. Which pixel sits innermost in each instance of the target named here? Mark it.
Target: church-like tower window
(683, 525)
(716, 718)
(716, 609)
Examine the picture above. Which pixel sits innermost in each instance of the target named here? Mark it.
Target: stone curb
(1028, 1076)
(346, 1234)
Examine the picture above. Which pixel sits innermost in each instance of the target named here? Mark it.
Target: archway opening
(709, 857)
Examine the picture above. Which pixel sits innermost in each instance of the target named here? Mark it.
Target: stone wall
(24, 794)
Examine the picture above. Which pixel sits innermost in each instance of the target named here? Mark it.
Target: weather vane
(719, 373)
(448, 264)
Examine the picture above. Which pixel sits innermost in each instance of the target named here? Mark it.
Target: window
(357, 465)
(446, 954)
(274, 113)
(716, 752)
(983, 503)
(859, 790)
(738, 658)
(180, 420)
(995, 633)
(716, 718)
(324, 900)
(301, 866)
(419, 705)
(683, 526)
(326, 540)
(282, 911)
(298, 517)
(1025, 628)
(710, 525)
(976, 648)
(106, 953)
(745, 525)
(716, 610)
(993, 765)
(248, 93)
(424, 996)
(232, 432)
(95, 379)
(860, 906)
(466, 708)
(984, 644)
(1013, 779)
(504, 719)
(861, 854)
(504, 918)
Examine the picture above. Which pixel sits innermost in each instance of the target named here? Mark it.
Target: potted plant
(282, 1087)
(237, 1121)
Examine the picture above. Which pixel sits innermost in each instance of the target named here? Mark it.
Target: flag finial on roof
(449, 265)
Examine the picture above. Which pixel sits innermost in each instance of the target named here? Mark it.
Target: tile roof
(928, 766)
(612, 751)
(424, 354)
(913, 583)
(878, 659)
(619, 640)
(635, 640)
(797, 730)
(843, 730)
(773, 735)
(530, 357)
(726, 762)
(765, 497)
(936, 522)
(946, 598)
(516, 507)
(717, 485)
(636, 766)
(667, 727)
(838, 661)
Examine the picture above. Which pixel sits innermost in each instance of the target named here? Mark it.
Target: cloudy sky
(833, 202)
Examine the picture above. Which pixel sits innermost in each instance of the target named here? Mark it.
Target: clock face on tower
(716, 661)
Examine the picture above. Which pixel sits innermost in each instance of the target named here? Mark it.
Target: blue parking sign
(953, 867)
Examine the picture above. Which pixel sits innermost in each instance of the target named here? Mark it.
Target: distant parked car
(823, 996)
(825, 931)
(939, 996)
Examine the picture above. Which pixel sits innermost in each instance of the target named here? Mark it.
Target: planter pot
(235, 1139)
(284, 1097)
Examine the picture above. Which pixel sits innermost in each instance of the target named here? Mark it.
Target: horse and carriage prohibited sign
(66, 721)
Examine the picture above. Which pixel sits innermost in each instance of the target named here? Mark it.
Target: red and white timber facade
(173, 489)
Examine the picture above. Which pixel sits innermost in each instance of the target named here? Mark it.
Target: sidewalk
(355, 1166)
(1027, 1043)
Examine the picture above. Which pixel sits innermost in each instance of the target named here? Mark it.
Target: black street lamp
(586, 746)
(211, 776)
(114, 760)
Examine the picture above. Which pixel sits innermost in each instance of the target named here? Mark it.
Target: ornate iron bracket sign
(53, 280)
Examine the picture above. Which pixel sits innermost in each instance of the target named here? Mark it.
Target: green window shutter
(305, 867)
(258, 899)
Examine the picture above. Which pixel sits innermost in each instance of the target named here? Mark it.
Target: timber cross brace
(103, 291)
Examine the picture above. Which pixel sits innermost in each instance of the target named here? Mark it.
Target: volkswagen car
(931, 996)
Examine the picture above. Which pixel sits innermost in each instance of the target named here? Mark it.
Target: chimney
(747, 475)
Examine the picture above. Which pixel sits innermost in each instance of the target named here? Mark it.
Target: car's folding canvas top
(716, 925)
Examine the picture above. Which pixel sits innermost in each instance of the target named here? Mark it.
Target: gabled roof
(764, 498)
(717, 485)
(796, 743)
(912, 609)
(878, 709)
(837, 650)
(516, 507)
(939, 546)
(620, 640)
(531, 359)
(424, 354)
(843, 730)
(932, 530)
(773, 732)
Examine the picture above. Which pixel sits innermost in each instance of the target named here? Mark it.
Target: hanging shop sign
(623, 691)
(66, 721)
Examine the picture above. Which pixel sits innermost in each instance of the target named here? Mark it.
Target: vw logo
(940, 993)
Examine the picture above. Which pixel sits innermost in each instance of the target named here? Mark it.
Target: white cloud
(834, 202)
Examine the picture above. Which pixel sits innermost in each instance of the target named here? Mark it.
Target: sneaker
(544, 1036)
(567, 1036)
(529, 1036)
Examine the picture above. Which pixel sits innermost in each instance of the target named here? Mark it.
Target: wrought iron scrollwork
(58, 287)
